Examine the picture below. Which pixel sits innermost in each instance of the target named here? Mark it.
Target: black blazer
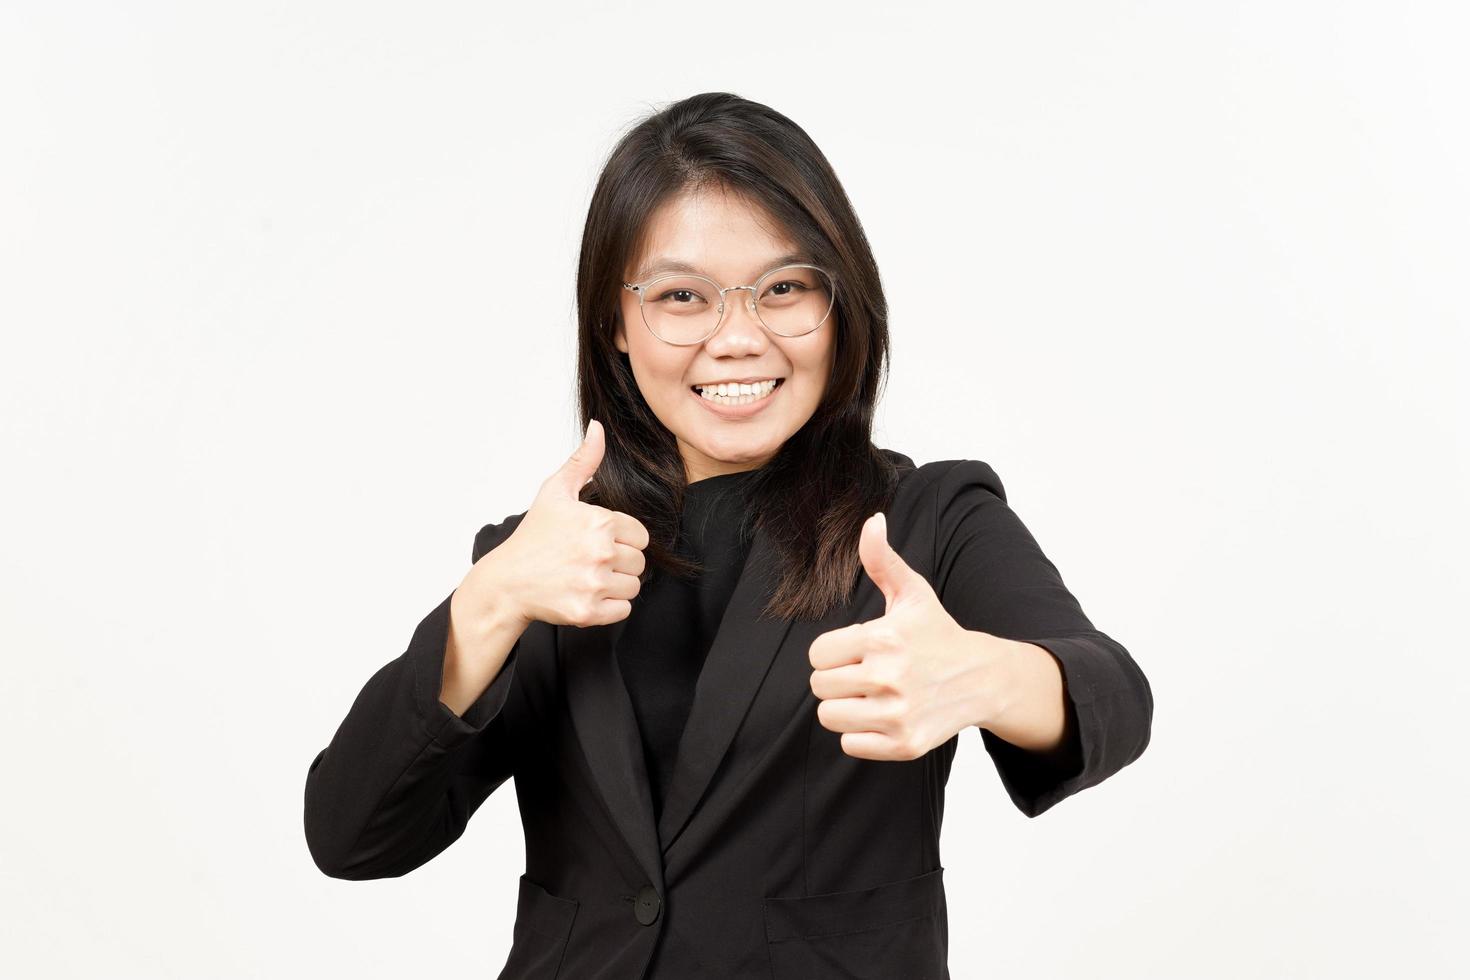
(777, 854)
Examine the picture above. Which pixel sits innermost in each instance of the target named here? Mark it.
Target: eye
(784, 289)
(684, 296)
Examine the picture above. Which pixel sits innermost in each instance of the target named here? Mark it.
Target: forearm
(476, 648)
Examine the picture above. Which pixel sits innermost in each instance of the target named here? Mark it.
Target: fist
(569, 562)
(898, 685)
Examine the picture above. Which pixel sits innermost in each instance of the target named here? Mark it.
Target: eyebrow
(664, 264)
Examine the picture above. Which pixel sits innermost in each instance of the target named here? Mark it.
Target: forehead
(714, 231)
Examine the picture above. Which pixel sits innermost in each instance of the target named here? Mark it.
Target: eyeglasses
(684, 308)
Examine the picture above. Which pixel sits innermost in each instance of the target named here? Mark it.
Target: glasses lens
(795, 300)
(681, 309)
(685, 309)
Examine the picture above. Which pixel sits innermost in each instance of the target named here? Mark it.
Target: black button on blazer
(777, 855)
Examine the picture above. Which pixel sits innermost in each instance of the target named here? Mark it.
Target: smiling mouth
(761, 392)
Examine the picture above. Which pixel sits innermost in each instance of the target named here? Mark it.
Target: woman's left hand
(897, 686)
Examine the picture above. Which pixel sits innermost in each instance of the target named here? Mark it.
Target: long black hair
(812, 497)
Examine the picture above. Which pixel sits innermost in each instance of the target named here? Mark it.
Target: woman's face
(722, 235)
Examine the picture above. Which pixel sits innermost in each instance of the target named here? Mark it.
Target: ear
(620, 338)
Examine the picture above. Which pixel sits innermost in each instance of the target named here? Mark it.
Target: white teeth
(735, 393)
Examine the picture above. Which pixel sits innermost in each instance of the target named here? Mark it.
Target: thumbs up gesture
(898, 685)
(569, 562)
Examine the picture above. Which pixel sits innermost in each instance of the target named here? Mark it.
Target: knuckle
(887, 676)
(884, 635)
(898, 713)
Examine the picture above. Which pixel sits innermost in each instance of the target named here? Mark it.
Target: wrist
(500, 609)
(998, 680)
(483, 618)
(989, 681)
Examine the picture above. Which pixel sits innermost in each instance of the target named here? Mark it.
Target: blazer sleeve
(991, 575)
(403, 773)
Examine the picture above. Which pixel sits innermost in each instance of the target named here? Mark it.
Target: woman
(727, 650)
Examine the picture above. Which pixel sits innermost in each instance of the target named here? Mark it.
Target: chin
(736, 450)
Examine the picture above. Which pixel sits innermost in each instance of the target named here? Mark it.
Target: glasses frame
(641, 290)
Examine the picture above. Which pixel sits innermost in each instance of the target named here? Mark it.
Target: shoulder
(945, 481)
(955, 478)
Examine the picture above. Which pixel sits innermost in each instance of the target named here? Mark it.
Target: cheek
(658, 369)
(815, 362)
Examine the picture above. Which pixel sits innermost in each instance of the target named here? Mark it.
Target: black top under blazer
(776, 855)
(663, 644)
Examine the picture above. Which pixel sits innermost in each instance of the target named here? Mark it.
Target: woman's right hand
(567, 562)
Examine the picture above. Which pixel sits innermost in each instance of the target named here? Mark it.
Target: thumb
(884, 566)
(582, 465)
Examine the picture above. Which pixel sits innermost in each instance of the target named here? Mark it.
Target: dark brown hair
(812, 497)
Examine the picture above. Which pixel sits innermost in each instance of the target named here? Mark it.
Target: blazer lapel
(602, 714)
(744, 647)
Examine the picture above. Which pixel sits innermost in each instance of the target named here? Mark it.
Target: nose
(741, 329)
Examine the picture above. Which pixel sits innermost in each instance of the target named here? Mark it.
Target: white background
(284, 286)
